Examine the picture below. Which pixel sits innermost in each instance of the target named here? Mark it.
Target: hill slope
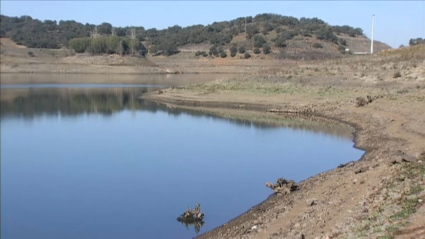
(289, 35)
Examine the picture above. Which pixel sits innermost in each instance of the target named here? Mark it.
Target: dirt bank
(379, 196)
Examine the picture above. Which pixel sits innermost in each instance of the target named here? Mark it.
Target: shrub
(318, 45)
(259, 41)
(233, 50)
(256, 50)
(213, 51)
(80, 45)
(267, 27)
(204, 54)
(280, 42)
(247, 55)
(223, 54)
(98, 45)
(31, 54)
(112, 43)
(266, 49)
(342, 41)
(251, 30)
(241, 49)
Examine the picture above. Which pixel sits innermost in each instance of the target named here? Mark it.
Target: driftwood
(282, 186)
(192, 217)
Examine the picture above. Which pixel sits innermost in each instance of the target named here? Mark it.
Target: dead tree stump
(282, 186)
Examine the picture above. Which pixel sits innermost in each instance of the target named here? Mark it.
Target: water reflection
(71, 102)
(197, 224)
(109, 176)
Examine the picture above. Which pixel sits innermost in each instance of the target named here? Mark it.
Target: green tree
(247, 55)
(251, 30)
(256, 50)
(98, 45)
(241, 49)
(259, 40)
(280, 42)
(104, 28)
(213, 51)
(112, 43)
(134, 45)
(223, 54)
(79, 45)
(233, 51)
(267, 27)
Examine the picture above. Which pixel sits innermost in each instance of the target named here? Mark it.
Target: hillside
(287, 37)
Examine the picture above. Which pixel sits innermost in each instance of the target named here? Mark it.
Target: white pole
(245, 27)
(371, 40)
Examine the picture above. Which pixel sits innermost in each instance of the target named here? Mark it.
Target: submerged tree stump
(282, 186)
(192, 217)
(192, 214)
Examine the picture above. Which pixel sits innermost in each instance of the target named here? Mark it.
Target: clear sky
(396, 21)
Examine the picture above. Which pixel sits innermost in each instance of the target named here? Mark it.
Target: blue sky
(396, 21)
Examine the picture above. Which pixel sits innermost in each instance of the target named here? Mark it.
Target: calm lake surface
(94, 161)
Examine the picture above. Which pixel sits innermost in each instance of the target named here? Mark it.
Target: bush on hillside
(259, 40)
(80, 45)
(213, 51)
(266, 49)
(233, 50)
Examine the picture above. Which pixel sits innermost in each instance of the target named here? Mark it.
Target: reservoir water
(94, 161)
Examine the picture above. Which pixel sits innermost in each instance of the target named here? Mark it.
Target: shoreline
(379, 160)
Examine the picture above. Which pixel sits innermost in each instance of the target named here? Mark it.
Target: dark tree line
(51, 34)
(416, 41)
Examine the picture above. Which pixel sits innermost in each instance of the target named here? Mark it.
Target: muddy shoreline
(346, 188)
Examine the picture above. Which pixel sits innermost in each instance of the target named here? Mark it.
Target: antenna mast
(371, 40)
(245, 27)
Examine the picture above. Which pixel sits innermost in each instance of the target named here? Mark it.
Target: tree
(233, 51)
(267, 27)
(416, 41)
(266, 49)
(280, 42)
(223, 54)
(98, 45)
(112, 44)
(247, 55)
(256, 50)
(342, 42)
(105, 28)
(80, 45)
(143, 50)
(213, 51)
(134, 46)
(241, 49)
(259, 41)
(251, 30)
